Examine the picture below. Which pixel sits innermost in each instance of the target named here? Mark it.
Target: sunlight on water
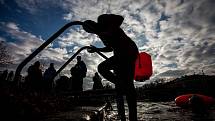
(164, 111)
(147, 111)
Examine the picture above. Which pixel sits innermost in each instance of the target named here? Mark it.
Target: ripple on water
(165, 111)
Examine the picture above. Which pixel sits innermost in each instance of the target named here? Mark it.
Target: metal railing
(45, 44)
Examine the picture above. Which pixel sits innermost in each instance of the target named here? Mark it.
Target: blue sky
(42, 22)
(178, 34)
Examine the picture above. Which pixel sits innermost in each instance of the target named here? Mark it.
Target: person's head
(78, 58)
(37, 64)
(51, 65)
(5, 71)
(106, 23)
(109, 22)
(11, 72)
(96, 74)
(106, 27)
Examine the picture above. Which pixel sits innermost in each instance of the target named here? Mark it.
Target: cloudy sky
(178, 34)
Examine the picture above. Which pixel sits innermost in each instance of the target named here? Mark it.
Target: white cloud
(2, 39)
(26, 43)
(181, 39)
(12, 26)
(35, 6)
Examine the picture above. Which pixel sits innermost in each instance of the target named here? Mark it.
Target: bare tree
(5, 57)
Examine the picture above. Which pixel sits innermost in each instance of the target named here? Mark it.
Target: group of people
(75, 82)
(78, 72)
(37, 81)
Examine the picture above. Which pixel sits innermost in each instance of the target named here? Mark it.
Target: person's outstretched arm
(105, 49)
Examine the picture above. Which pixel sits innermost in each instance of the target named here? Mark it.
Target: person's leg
(132, 104)
(81, 84)
(120, 107)
(105, 67)
(75, 83)
(127, 86)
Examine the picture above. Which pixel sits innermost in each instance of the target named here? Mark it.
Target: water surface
(165, 111)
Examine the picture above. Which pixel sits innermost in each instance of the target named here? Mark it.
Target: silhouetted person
(97, 82)
(78, 72)
(4, 75)
(10, 76)
(34, 77)
(122, 62)
(3, 78)
(48, 77)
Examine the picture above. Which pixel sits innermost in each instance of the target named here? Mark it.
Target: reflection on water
(164, 111)
(147, 111)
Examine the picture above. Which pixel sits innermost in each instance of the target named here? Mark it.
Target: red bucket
(143, 67)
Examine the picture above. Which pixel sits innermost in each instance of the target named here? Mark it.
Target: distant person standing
(78, 72)
(4, 75)
(10, 76)
(97, 82)
(3, 78)
(48, 77)
(34, 78)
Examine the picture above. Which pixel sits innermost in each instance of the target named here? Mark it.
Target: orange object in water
(184, 100)
(143, 67)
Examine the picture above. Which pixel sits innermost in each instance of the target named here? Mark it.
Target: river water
(147, 111)
(164, 111)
